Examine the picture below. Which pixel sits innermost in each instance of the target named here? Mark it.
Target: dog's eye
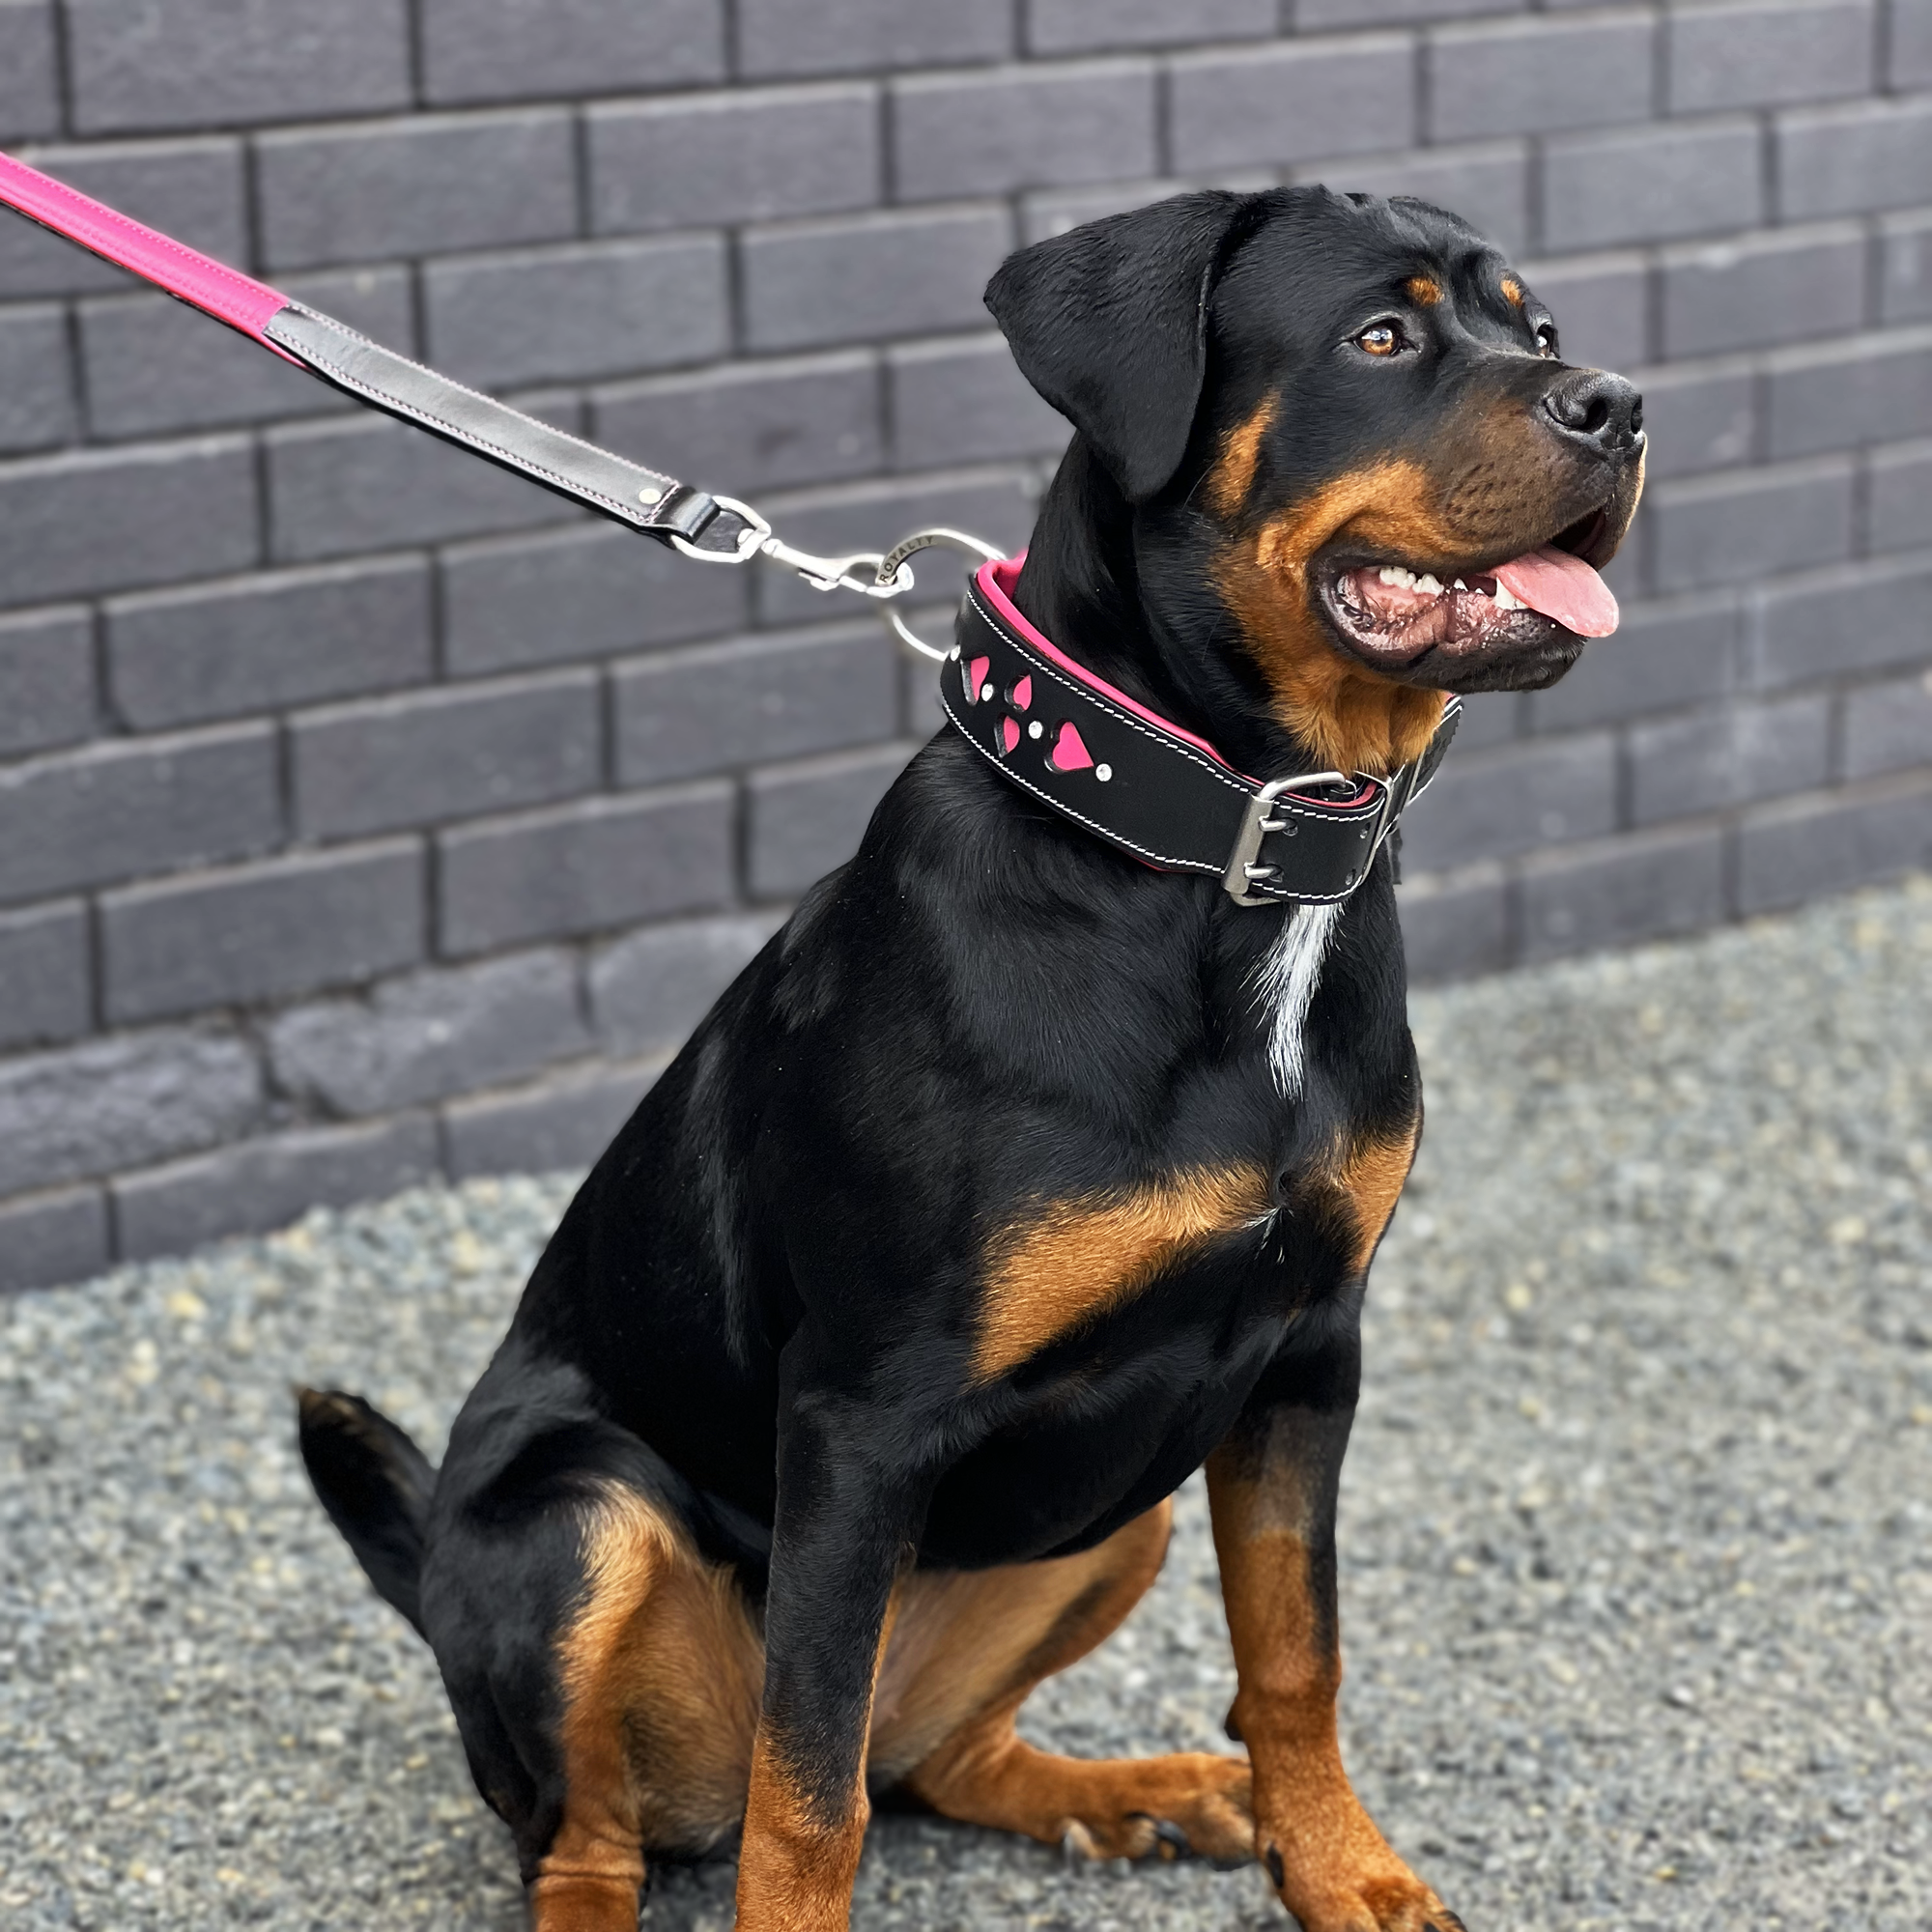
(1379, 338)
(1546, 339)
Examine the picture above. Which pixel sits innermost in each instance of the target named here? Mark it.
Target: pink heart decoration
(1069, 754)
(976, 677)
(1023, 693)
(1010, 733)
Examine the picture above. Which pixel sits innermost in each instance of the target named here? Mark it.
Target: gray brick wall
(366, 813)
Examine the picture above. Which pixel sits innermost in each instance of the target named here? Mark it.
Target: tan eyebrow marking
(1424, 289)
(1512, 292)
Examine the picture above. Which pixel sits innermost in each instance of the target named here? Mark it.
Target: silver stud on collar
(650, 494)
(1035, 729)
(1104, 772)
(985, 694)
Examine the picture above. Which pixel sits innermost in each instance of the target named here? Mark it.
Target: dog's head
(1351, 418)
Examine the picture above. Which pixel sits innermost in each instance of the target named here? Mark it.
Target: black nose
(1596, 407)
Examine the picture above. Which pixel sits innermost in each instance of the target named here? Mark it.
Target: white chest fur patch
(1286, 984)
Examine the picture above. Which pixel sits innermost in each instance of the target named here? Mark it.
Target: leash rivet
(650, 494)
(1104, 772)
(1035, 729)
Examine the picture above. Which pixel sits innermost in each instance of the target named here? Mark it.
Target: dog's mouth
(1396, 614)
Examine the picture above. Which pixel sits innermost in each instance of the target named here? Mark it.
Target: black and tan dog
(990, 1201)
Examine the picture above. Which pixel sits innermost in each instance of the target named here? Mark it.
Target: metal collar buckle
(1256, 824)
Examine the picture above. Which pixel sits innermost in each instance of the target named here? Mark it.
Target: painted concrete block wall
(366, 815)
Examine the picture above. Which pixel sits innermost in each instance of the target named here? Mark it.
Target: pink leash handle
(224, 293)
(626, 492)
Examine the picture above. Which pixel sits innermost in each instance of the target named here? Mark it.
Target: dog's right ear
(1109, 323)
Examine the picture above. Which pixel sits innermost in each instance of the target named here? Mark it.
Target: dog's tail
(375, 1484)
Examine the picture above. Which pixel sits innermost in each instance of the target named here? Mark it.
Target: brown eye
(1546, 339)
(1379, 338)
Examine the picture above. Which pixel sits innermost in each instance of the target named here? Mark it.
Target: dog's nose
(1596, 408)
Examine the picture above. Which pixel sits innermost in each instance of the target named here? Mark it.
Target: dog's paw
(1392, 1900)
(1191, 1805)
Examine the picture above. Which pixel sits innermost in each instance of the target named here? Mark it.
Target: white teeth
(1428, 584)
(1395, 575)
(1504, 601)
(1459, 584)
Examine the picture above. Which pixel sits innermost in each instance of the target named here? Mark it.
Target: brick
(115, 1103)
(448, 753)
(48, 1240)
(1650, 183)
(1310, 15)
(502, 49)
(29, 76)
(1048, 212)
(103, 520)
(1888, 727)
(805, 818)
(1490, 718)
(122, 809)
(686, 714)
(36, 405)
(793, 37)
(267, 640)
(191, 190)
(754, 154)
(258, 1186)
(1700, 416)
(1487, 186)
(589, 867)
(1797, 851)
(752, 426)
(576, 593)
(367, 190)
(200, 61)
(1763, 289)
(1900, 506)
(47, 679)
(1858, 617)
(1454, 925)
(1662, 656)
(152, 365)
(1094, 26)
(1905, 267)
(556, 1126)
(1766, 56)
(994, 505)
(1710, 760)
(601, 308)
(990, 131)
(1600, 303)
(869, 277)
(46, 967)
(1539, 76)
(960, 399)
(1732, 528)
(1542, 794)
(269, 931)
(432, 1034)
(1622, 891)
(1911, 44)
(1255, 106)
(1847, 160)
(374, 485)
(1838, 395)
(648, 989)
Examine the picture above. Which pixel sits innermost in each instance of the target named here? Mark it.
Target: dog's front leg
(844, 1527)
(1273, 1485)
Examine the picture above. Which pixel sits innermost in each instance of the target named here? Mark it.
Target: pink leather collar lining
(996, 581)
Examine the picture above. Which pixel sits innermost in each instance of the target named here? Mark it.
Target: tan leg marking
(661, 1670)
(1372, 1179)
(968, 1651)
(1333, 1869)
(1080, 1256)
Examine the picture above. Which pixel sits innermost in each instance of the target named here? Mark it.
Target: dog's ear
(1109, 323)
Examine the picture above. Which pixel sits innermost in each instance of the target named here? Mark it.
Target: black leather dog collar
(1142, 783)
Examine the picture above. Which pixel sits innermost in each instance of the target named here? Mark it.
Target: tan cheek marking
(1079, 1257)
(1513, 291)
(1425, 289)
(1234, 474)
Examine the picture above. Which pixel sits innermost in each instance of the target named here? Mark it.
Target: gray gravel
(1638, 1530)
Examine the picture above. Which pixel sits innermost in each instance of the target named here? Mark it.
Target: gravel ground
(1637, 1533)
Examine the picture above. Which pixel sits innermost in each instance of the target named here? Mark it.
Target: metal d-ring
(893, 562)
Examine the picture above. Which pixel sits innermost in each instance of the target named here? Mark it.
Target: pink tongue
(1561, 587)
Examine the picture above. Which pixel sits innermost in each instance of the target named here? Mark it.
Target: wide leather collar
(1145, 784)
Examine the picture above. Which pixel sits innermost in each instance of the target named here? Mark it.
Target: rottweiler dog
(990, 1202)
